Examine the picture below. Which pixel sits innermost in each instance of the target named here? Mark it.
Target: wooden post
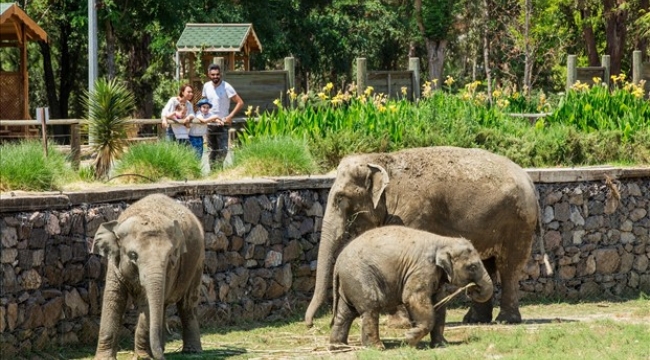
(75, 145)
(161, 131)
(192, 74)
(24, 75)
(414, 65)
(637, 67)
(220, 61)
(290, 67)
(606, 63)
(41, 115)
(362, 75)
(389, 85)
(571, 71)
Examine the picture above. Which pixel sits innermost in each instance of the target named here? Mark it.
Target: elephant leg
(370, 329)
(400, 319)
(439, 320)
(481, 313)
(509, 304)
(191, 333)
(142, 346)
(344, 315)
(420, 310)
(113, 307)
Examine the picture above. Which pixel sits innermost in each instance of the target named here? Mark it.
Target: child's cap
(202, 102)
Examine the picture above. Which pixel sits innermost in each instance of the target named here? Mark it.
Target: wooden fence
(640, 71)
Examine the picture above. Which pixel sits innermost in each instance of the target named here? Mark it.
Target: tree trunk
(110, 50)
(436, 60)
(486, 48)
(615, 28)
(590, 39)
(50, 84)
(528, 59)
(141, 85)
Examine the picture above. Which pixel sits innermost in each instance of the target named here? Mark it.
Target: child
(198, 130)
(180, 112)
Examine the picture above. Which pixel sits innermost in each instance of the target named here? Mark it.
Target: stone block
(607, 260)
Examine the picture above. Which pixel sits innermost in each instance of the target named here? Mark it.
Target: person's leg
(170, 134)
(222, 147)
(197, 144)
(212, 144)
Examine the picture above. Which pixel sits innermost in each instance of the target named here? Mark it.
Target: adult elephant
(155, 252)
(457, 192)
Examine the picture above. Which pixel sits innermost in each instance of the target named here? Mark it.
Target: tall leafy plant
(109, 105)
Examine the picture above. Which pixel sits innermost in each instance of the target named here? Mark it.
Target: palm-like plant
(109, 106)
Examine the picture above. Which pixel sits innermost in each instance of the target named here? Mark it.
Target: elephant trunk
(155, 289)
(331, 236)
(483, 290)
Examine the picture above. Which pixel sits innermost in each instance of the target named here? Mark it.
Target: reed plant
(24, 166)
(152, 162)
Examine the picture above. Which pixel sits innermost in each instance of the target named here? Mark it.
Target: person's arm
(239, 104)
(190, 112)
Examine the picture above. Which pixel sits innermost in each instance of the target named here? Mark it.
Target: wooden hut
(232, 42)
(16, 29)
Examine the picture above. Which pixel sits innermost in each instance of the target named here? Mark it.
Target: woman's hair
(183, 87)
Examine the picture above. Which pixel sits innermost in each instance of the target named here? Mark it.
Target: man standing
(220, 93)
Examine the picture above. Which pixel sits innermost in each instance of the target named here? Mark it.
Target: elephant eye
(132, 255)
(472, 267)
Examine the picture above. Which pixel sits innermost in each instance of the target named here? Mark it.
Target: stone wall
(261, 249)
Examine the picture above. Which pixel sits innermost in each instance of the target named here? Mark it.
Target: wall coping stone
(14, 201)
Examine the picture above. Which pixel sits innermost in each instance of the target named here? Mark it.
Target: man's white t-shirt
(219, 97)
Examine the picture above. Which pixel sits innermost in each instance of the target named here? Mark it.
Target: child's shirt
(199, 129)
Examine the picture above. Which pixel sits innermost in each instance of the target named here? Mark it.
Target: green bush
(275, 156)
(23, 166)
(152, 162)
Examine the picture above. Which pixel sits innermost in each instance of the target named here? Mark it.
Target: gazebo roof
(218, 38)
(11, 19)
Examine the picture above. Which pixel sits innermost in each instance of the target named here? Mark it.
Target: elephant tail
(540, 233)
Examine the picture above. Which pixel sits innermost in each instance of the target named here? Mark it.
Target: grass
(152, 162)
(23, 166)
(607, 330)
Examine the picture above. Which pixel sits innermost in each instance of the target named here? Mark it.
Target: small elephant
(395, 265)
(155, 252)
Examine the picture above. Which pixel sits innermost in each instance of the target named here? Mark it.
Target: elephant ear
(443, 260)
(105, 242)
(376, 182)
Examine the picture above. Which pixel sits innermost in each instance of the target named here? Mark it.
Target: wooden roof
(219, 38)
(12, 17)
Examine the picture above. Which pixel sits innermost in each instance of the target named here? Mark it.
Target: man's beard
(216, 81)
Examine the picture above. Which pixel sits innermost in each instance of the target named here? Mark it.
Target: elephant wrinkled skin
(155, 252)
(470, 193)
(396, 265)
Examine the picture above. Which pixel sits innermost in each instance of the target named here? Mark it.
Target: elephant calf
(155, 252)
(394, 265)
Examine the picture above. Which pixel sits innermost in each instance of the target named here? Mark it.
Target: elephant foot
(192, 349)
(333, 346)
(414, 336)
(438, 342)
(141, 356)
(511, 317)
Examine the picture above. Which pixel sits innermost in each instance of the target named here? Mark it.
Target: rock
(315, 210)
(576, 217)
(627, 238)
(53, 227)
(284, 276)
(292, 251)
(238, 225)
(577, 237)
(258, 287)
(274, 290)
(576, 197)
(12, 316)
(589, 290)
(594, 223)
(3, 315)
(553, 197)
(638, 214)
(30, 280)
(8, 237)
(211, 261)
(258, 236)
(552, 240)
(532, 269)
(549, 215)
(607, 260)
(216, 242)
(634, 190)
(33, 317)
(252, 211)
(640, 263)
(562, 211)
(8, 256)
(273, 258)
(627, 260)
(75, 306)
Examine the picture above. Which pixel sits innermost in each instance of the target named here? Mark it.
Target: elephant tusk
(448, 298)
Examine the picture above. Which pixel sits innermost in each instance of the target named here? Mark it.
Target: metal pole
(92, 52)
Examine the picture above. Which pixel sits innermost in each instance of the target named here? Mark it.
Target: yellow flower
(450, 80)
(292, 94)
(352, 88)
(249, 111)
(322, 96)
(496, 93)
(503, 103)
(404, 90)
(596, 80)
(277, 103)
(369, 90)
(328, 87)
(257, 110)
(392, 108)
(304, 98)
(381, 108)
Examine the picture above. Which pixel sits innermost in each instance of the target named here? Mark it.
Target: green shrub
(275, 156)
(152, 162)
(23, 166)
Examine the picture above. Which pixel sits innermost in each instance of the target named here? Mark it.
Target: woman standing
(180, 121)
